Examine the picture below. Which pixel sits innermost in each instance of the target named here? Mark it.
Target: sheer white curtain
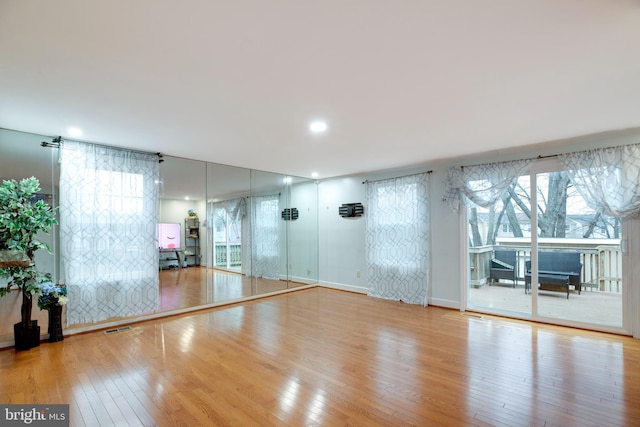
(235, 208)
(482, 184)
(245, 238)
(265, 232)
(397, 233)
(607, 178)
(108, 217)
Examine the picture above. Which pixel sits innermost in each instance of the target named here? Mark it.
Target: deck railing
(234, 256)
(601, 260)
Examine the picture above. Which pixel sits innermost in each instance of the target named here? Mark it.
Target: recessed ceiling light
(186, 197)
(74, 132)
(318, 127)
(314, 174)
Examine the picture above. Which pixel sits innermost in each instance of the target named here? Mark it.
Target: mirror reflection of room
(221, 231)
(21, 156)
(182, 189)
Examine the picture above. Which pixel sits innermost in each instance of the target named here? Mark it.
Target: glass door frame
(227, 244)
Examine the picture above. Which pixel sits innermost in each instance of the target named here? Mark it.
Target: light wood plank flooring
(179, 288)
(332, 358)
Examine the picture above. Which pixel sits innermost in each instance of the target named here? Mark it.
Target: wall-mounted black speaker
(350, 210)
(290, 214)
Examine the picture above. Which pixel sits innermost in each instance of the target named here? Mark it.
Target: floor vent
(113, 331)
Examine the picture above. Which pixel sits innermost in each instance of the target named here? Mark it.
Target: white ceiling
(399, 83)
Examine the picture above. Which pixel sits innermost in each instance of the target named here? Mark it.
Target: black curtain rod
(583, 151)
(58, 142)
(402, 176)
(55, 142)
(262, 195)
(539, 157)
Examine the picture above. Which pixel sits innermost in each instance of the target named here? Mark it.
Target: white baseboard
(305, 280)
(439, 302)
(343, 287)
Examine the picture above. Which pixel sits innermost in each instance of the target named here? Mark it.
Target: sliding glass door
(579, 257)
(570, 270)
(499, 247)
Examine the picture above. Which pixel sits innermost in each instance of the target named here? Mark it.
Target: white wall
(342, 241)
(303, 233)
(446, 265)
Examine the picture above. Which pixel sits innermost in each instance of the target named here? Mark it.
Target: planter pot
(55, 323)
(28, 337)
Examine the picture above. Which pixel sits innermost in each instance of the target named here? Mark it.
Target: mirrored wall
(224, 233)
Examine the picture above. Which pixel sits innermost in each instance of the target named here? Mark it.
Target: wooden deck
(327, 357)
(590, 306)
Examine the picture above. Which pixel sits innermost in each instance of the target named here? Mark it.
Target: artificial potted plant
(20, 220)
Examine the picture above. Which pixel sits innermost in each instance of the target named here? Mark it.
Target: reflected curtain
(608, 179)
(482, 184)
(235, 208)
(108, 217)
(397, 233)
(265, 232)
(246, 242)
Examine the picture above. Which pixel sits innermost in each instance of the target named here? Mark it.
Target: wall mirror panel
(22, 156)
(302, 232)
(269, 264)
(223, 232)
(227, 233)
(182, 249)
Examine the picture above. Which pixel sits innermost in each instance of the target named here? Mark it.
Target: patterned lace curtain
(397, 232)
(108, 217)
(245, 237)
(265, 232)
(607, 178)
(235, 208)
(481, 184)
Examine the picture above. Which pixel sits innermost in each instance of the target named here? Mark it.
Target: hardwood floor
(332, 358)
(195, 286)
(179, 288)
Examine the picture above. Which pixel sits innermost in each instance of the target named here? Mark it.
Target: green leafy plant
(20, 220)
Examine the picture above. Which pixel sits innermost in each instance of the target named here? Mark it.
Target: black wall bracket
(290, 214)
(351, 210)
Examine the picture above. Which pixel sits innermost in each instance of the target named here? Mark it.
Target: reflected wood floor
(179, 288)
(332, 358)
(194, 286)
